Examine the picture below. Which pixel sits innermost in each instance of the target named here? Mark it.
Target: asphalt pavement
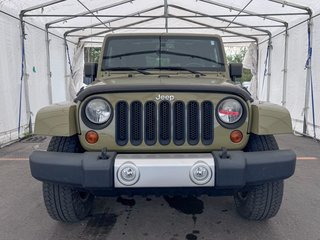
(23, 215)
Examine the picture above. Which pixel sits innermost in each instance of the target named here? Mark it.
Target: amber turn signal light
(236, 136)
(92, 137)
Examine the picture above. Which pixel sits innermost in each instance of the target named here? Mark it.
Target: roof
(234, 20)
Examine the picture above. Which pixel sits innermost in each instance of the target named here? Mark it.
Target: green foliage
(92, 54)
(237, 57)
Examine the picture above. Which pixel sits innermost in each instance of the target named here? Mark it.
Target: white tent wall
(37, 87)
(58, 69)
(297, 56)
(277, 60)
(262, 75)
(316, 77)
(296, 74)
(36, 69)
(10, 73)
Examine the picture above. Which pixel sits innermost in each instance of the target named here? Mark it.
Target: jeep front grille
(164, 122)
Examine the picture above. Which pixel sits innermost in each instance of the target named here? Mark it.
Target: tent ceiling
(235, 20)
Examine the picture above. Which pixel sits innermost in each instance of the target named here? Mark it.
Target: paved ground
(23, 216)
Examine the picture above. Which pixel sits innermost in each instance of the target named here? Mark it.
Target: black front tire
(263, 201)
(65, 203)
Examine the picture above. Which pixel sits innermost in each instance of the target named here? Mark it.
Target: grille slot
(164, 123)
(193, 122)
(179, 123)
(122, 123)
(207, 122)
(150, 123)
(136, 114)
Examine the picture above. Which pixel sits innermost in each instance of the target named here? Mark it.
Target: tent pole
(285, 68)
(257, 73)
(308, 80)
(263, 15)
(218, 18)
(89, 11)
(66, 69)
(166, 14)
(269, 69)
(49, 74)
(24, 78)
(243, 10)
(112, 20)
(116, 28)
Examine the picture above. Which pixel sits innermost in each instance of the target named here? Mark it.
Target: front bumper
(88, 170)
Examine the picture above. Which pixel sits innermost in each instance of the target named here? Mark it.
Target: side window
(92, 54)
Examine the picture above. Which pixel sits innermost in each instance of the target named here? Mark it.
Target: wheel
(65, 203)
(263, 201)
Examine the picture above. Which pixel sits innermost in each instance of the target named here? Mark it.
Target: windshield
(163, 52)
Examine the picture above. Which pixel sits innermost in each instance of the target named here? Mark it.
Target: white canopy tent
(42, 46)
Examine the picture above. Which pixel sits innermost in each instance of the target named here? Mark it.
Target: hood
(185, 79)
(162, 84)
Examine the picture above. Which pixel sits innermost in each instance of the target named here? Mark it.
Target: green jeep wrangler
(162, 116)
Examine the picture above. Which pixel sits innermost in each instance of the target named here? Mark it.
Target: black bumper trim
(87, 170)
(83, 170)
(251, 168)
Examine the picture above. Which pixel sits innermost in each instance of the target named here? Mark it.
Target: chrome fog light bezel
(200, 165)
(121, 172)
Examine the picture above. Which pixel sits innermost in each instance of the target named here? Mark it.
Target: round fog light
(128, 174)
(200, 173)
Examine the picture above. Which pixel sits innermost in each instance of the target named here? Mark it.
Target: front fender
(57, 120)
(268, 118)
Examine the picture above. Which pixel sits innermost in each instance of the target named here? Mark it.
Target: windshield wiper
(164, 52)
(177, 68)
(127, 69)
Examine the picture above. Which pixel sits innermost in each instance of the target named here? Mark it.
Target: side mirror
(235, 70)
(90, 72)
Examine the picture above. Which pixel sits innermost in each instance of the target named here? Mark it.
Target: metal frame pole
(285, 68)
(24, 79)
(117, 28)
(269, 70)
(99, 27)
(88, 12)
(228, 31)
(43, 5)
(165, 13)
(112, 20)
(263, 15)
(218, 18)
(67, 83)
(244, 11)
(49, 74)
(308, 82)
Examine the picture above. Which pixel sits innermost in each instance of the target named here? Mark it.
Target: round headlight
(230, 111)
(98, 111)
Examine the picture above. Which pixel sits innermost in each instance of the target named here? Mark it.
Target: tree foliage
(237, 57)
(92, 54)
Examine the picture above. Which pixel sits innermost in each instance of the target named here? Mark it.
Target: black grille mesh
(207, 122)
(136, 123)
(122, 123)
(150, 123)
(193, 122)
(163, 122)
(179, 123)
